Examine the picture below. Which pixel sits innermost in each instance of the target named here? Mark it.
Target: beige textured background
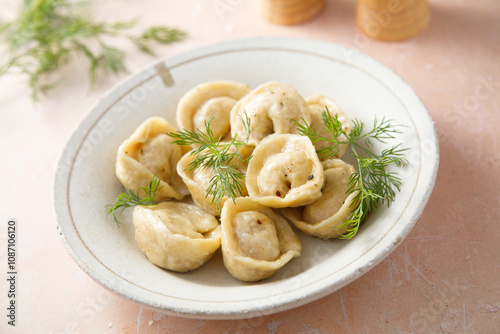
(444, 277)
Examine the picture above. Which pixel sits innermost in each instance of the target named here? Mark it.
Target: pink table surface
(443, 278)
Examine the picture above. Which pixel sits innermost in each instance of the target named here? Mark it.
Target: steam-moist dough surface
(176, 236)
(256, 235)
(149, 151)
(241, 240)
(211, 99)
(337, 175)
(214, 112)
(322, 217)
(157, 159)
(271, 108)
(284, 172)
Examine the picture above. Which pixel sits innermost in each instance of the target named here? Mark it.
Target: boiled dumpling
(284, 172)
(150, 151)
(271, 108)
(199, 180)
(317, 104)
(256, 242)
(322, 217)
(176, 236)
(212, 100)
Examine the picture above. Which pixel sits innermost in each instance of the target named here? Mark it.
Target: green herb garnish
(220, 157)
(48, 32)
(130, 199)
(372, 182)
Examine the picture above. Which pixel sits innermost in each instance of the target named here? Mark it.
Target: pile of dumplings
(286, 182)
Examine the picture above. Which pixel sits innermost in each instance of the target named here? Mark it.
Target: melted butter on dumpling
(317, 104)
(149, 151)
(256, 241)
(284, 172)
(176, 236)
(271, 108)
(322, 217)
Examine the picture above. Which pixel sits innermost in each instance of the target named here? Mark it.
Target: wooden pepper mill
(289, 11)
(392, 20)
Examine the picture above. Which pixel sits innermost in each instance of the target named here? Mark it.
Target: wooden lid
(289, 11)
(392, 20)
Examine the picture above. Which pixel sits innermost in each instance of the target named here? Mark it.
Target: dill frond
(130, 199)
(48, 33)
(221, 158)
(372, 182)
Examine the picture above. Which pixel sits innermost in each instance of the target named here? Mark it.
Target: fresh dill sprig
(220, 157)
(372, 182)
(47, 33)
(130, 199)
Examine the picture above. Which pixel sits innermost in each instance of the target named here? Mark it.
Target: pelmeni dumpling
(176, 236)
(284, 172)
(212, 100)
(271, 108)
(321, 217)
(199, 180)
(256, 242)
(317, 104)
(150, 151)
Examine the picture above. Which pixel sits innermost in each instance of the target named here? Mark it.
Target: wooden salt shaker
(289, 11)
(392, 20)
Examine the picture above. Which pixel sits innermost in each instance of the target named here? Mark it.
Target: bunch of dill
(47, 33)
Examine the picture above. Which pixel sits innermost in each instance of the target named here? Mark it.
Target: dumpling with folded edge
(284, 171)
(210, 101)
(317, 104)
(322, 217)
(176, 236)
(256, 242)
(272, 108)
(149, 151)
(198, 181)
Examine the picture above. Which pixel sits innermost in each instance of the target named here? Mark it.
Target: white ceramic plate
(85, 180)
